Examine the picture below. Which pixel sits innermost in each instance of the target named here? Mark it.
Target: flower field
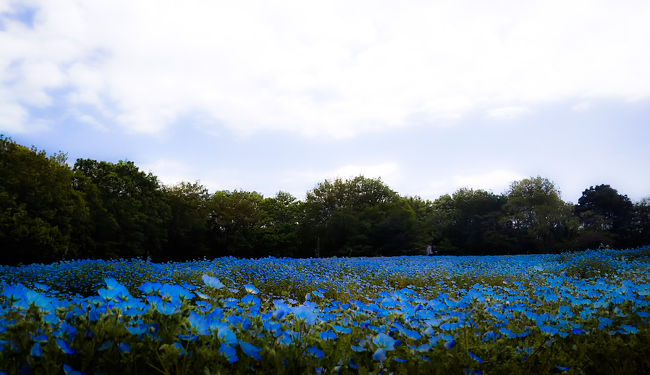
(573, 313)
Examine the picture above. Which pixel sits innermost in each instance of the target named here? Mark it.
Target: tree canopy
(51, 211)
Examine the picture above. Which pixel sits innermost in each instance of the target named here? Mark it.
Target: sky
(430, 96)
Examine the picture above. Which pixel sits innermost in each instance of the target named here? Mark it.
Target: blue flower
(37, 350)
(229, 352)
(105, 345)
(70, 371)
(475, 357)
(226, 335)
(341, 329)
(316, 352)
(450, 344)
(379, 355)
(562, 368)
(384, 341)
(250, 350)
(212, 282)
(629, 329)
(328, 335)
(250, 288)
(124, 347)
(63, 345)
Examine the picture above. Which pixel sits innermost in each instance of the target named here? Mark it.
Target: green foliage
(41, 215)
(98, 209)
(128, 208)
(605, 217)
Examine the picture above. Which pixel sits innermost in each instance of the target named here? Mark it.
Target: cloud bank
(334, 69)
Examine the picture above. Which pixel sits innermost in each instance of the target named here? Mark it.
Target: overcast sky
(430, 96)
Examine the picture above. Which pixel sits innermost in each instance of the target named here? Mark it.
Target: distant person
(429, 250)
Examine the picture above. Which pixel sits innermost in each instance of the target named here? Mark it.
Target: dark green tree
(127, 205)
(189, 226)
(41, 215)
(358, 216)
(539, 219)
(280, 231)
(237, 221)
(605, 217)
(641, 223)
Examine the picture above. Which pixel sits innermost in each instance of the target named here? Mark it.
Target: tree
(189, 225)
(640, 227)
(280, 231)
(41, 214)
(358, 216)
(237, 223)
(127, 207)
(539, 218)
(605, 217)
(477, 226)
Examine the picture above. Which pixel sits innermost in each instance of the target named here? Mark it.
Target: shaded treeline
(50, 211)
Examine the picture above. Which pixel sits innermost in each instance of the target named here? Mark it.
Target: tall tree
(188, 229)
(540, 219)
(605, 217)
(237, 223)
(41, 214)
(280, 231)
(128, 207)
(358, 216)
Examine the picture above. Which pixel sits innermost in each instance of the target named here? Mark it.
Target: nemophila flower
(379, 355)
(384, 341)
(341, 329)
(400, 360)
(604, 322)
(37, 350)
(305, 313)
(250, 288)
(316, 352)
(250, 350)
(629, 329)
(357, 348)
(63, 345)
(475, 357)
(105, 346)
(226, 335)
(229, 352)
(70, 371)
(421, 348)
(353, 365)
(285, 339)
(562, 368)
(328, 335)
(180, 348)
(212, 282)
(150, 287)
(124, 347)
(450, 344)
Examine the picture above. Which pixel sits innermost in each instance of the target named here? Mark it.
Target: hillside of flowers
(574, 313)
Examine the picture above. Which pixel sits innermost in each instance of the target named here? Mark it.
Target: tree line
(50, 211)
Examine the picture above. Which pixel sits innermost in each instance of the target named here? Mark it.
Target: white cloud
(171, 172)
(496, 181)
(582, 106)
(13, 118)
(334, 69)
(507, 113)
(298, 182)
